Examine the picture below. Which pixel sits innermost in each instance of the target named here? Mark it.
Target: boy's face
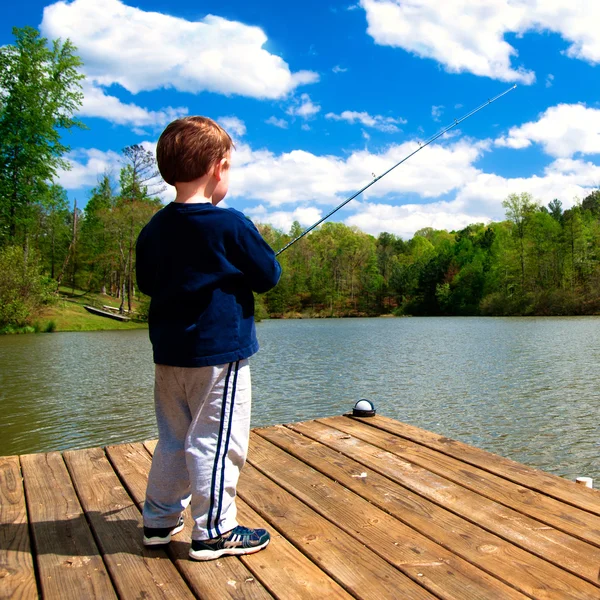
(222, 174)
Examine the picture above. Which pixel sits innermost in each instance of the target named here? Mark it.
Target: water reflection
(523, 388)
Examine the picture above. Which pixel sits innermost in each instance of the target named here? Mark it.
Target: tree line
(541, 260)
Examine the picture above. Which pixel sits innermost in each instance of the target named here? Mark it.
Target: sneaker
(240, 540)
(157, 536)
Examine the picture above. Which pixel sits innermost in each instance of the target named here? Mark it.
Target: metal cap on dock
(364, 408)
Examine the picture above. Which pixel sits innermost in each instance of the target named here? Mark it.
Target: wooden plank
(523, 571)
(137, 572)
(546, 483)
(361, 572)
(69, 564)
(567, 518)
(214, 579)
(432, 566)
(283, 569)
(557, 547)
(17, 576)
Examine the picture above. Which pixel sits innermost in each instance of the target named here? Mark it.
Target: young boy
(200, 264)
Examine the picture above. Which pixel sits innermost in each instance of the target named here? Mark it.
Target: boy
(200, 264)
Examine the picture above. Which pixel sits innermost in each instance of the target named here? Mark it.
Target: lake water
(525, 388)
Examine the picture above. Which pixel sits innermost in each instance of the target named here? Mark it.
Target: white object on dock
(587, 481)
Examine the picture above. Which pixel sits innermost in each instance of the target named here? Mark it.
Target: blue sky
(321, 95)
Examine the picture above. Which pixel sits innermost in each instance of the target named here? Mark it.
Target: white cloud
(565, 181)
(96, 103)
(338, 69)
(447, 190)
(549, 80)
(87, 165)
(388, 124)
(283, 220)
(469, 35)
(562, 131)
(436, 112)
(406, 219)
(303, 107)
(452, 192)
(281, 123)
(234, 126)
(300, 176)
(479, 200)
(143, 50)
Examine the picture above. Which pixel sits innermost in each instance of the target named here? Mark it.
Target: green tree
(23, 287)
(52, 229)
(40, 91)
(519, 208)
(94, 238)
(138, 200)
(555, 209)
(592, 203)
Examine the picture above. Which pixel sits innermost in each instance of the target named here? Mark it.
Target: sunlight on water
(527, 389)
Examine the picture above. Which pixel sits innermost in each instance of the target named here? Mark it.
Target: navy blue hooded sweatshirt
(200, 264)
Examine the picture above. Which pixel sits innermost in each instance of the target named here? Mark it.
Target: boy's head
(189, 147)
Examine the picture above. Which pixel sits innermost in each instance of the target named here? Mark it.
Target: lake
(525, 388)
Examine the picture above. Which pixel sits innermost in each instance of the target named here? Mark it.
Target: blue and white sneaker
(239, 540)
(158, 536)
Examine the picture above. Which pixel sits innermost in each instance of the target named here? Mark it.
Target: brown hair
(189, 146)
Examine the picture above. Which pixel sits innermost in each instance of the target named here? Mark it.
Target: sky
(321, 96)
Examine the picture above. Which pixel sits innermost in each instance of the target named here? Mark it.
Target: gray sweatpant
(203, 417)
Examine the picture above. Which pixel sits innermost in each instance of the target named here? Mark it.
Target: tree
(40, 91)
(23, 288)
(556, 210)
(519, 207)
(94, 237)
(140, 185)
(592, 203)
(53, 229)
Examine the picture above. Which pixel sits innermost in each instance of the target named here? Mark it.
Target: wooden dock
(358, 508)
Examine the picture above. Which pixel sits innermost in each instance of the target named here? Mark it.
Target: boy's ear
(220, 166)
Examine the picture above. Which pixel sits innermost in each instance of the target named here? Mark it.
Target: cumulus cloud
(436, 112)
(406, 219)
(446, 188)
(87, 165)
(142, 50)
(281, 123)
(283, 220)
(479, 200)
(303, 107)
(469, 35)
(96, 103)
(388, 124)
(562, 131)
(234, 126)
(450, 191)
(299, 176)
(338, 69)
(564, 180)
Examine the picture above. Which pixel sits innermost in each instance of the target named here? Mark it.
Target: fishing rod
(376, 179)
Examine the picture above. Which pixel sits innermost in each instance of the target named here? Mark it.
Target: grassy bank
(68, 314)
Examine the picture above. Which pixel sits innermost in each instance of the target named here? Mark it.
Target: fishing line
(376, 179)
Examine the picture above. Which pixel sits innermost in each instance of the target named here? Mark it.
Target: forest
(541, 260)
